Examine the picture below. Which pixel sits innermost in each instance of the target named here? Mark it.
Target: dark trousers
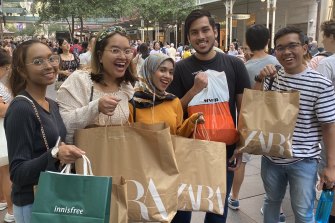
(182, 217)
(216, 218)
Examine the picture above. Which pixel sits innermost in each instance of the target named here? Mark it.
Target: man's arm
(328, 132)
(200, 82)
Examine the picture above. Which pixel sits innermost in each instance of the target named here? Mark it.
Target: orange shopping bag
(213, 102)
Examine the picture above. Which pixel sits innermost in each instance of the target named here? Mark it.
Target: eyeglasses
(117, 51)
(291, 47)
(41, 62)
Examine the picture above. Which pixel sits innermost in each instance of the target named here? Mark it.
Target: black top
(236, 73)
(27, 152)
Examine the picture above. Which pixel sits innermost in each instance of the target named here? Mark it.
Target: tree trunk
(72, 33)
(70, 30)
(81, 28)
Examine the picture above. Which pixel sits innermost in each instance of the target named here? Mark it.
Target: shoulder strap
(38, 117)
(325, 54)
(91, 95)
(271, 83)
(132, 101)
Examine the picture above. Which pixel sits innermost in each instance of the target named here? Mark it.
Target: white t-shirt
(327, 68)
(85, 58)
(5, 93)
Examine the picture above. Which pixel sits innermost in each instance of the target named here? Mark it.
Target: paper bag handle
(204, 131)
(86, 163)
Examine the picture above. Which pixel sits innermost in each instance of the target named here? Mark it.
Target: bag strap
(271, 83)
(87, 168)
(91, 95)
(278, 67)
(132, 101)
(38, 117)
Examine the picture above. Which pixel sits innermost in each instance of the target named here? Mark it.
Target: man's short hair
(288, 30)
(75, 41)
(328, 28)
(197, 14)
(257, 37)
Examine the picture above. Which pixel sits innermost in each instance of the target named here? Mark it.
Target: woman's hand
(69, 153)
(65, 73)
(107, 104)
(201, 118)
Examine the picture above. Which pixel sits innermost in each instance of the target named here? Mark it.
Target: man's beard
(206, 52)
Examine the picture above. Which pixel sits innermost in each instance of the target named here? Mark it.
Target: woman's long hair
(17, 82)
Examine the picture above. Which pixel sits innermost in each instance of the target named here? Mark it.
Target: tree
(56, 10)
(162, 11)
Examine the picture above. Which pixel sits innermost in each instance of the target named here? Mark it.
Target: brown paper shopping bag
(267, 121)
(144, 156)
(202, 167)
(119, 207)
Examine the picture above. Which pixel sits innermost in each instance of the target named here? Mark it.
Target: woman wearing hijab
(152, 104)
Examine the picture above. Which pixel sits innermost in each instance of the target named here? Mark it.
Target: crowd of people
(111, 80)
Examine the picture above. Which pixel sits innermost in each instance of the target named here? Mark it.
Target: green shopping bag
(71, 198)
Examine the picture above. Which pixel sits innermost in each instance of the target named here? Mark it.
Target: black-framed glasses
(41, 62)
(117, 51)
(290, 46)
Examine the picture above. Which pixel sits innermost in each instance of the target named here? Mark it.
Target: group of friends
(110, 91)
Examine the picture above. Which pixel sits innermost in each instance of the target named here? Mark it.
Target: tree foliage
(163, 10)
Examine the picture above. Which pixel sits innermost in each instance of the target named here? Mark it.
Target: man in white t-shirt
(85, 58)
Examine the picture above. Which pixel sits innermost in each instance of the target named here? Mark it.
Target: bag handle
(109, 118)
(39, 119)
(86, 171)
(203, 130)
(273, 78)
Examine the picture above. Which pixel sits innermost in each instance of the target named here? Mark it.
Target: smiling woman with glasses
(33, 125)
(100, 96)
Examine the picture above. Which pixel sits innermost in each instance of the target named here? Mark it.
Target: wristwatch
(258, 79)
(54, 152)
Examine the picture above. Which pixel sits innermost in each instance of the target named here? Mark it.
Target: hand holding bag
(267, 121)
(213, 102)
(144, 155)
(71, 198)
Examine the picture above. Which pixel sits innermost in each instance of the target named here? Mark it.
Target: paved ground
(251, 199)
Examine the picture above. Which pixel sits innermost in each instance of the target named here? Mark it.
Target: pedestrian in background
(5, 98)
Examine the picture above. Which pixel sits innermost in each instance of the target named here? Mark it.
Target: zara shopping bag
(213, 102)
(3, 145)
(119, 206)
(202, 167)
(71, 198)
(144, 156)
(266, 122)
